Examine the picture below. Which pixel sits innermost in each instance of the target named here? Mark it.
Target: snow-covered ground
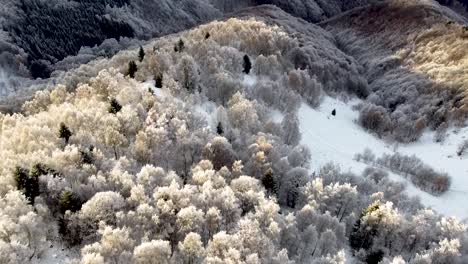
(338, 138)
(56, 253)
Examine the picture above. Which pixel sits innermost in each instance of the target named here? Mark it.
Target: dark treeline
(49, 32)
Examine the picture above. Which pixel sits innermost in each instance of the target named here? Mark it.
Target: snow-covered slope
(338, 139)
(414, 56)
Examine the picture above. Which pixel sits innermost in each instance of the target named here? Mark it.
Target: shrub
(375, 118)
(417, 172)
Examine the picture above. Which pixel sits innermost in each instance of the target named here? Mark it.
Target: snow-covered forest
(208, 145)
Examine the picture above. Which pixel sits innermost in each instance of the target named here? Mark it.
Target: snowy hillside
(257, 138)
(338, 139)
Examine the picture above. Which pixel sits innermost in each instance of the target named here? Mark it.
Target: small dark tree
(68, 201)
(87, 156)
(141, 54)
(21, 178)
(220, 129)
(180, 46)
(333, 112)
(114, 106)
(362, 236)
(247, 65)
(39, 169)
(268, 182)
(374, 257)
(65, 133)
(132, 69)
(158, 81)
(28, 182)
(207, 36)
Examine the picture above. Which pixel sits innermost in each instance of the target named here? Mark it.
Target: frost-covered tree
(290, 126)
(188, 73)
(155, 251)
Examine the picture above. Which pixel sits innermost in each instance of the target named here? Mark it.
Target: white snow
(208, 110)
(249, 80)
(338, 138)
(56, 253)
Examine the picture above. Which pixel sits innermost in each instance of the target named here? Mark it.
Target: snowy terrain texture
(216, 131)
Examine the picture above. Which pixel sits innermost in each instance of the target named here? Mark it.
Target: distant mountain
(37, 34)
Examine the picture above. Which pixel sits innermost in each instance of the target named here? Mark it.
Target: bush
(420, 174)
(410, 167)
(375, 118)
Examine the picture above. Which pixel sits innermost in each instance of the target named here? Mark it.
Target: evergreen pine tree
(64, 132)
(141, 54)
(219, 129)
(247, 65)
(268, 181)
(114, 106)
(65, 201)
(159, 81)
(21, 178)
(28, 181)
(69, 201)
(32, 188)
(363, 236)
(87, 157)
(180, 46)
(132, 69)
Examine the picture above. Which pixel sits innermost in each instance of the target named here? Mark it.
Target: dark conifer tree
(268, 182)
(159, 81)
(28, 181)
(220, 129)
(180, 46)
(87, 156)
(362, 236)
(247, 65)
(68, 201)
(141, 54)
(21, 178)
(132, 69)
(65, 133)
(114, 106)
